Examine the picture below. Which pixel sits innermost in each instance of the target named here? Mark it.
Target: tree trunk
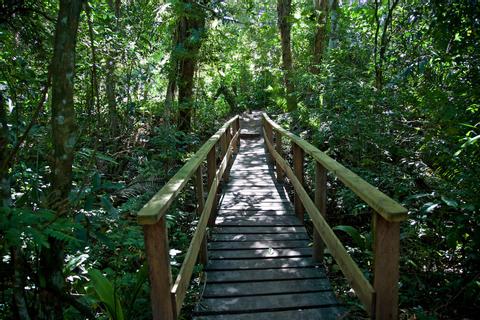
(320, 39)
(191, 29)
(284, 8)
(333, 11)
(110, 78)
(64, 139)
(4, 155)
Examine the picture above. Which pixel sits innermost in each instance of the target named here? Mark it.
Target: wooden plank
(267, 188)
(257, 221)
(259, 206)
(259, 236)
(266, 302)
(247, 213)
(250, 200)
(265, 274)
(298, 159)
(242, 264)
(154, 209)
(260, 253)
(258, 244)
(156, 247)
(386, 268)
(247, 167)
(349, 268)
(272, 196)
(321, 203)
(248, 230)
(265, 287)
(385, 206)
(323, 313)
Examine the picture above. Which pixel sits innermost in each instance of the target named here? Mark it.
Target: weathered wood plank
(265, 287)
(242, 264)
(257, 221)
(258, 230)
(259, 236)
(266, 302)
(323, 313)
(258, 206)
(260, 253)
(154, 209)
(234, 198)
(265, 274)
(385, 206)
(265, 244)
(255, 212)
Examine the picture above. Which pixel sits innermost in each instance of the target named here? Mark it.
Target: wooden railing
(381, 299)
(167, 298)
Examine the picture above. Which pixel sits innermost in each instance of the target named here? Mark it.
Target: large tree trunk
(284, 8)
(64, 138)
(191, 29)
(320, 39)
(333, 12)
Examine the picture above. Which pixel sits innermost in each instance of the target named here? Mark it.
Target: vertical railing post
(269, 136)
(278, 148)
(228, 139)
(203, 254)
(298, 155)
(238, 129)
(156, 246)
(386, 267)
(211, 172)
(321, 203)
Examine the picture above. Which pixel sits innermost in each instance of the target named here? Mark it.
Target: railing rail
(381, 299)
(167, 299)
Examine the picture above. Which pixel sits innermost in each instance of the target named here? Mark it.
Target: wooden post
(203, 253)
(156, 245)
(386, 267)
(237, 124)
(298, 155)
(278, 148)
(321, 203)
(211, 172)
(228, 139)
(268, 132)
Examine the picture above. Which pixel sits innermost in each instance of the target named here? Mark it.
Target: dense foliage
(387, 88)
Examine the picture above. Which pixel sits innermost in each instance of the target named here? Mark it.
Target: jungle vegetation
(102, 101)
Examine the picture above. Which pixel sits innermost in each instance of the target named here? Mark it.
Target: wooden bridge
(251, 238)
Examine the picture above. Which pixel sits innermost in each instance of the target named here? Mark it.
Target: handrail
(385, 206)
(154, 209)
(167, 299)
(381, 299)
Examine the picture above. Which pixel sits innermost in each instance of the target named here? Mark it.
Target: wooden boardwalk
(260, 263)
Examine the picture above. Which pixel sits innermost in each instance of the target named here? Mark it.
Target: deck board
(260, 260)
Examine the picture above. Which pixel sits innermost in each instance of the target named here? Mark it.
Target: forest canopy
(101, 102)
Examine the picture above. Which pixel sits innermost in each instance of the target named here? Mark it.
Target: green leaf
(107, 294)
(450, 202)
(107, 204)
(357, 238)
